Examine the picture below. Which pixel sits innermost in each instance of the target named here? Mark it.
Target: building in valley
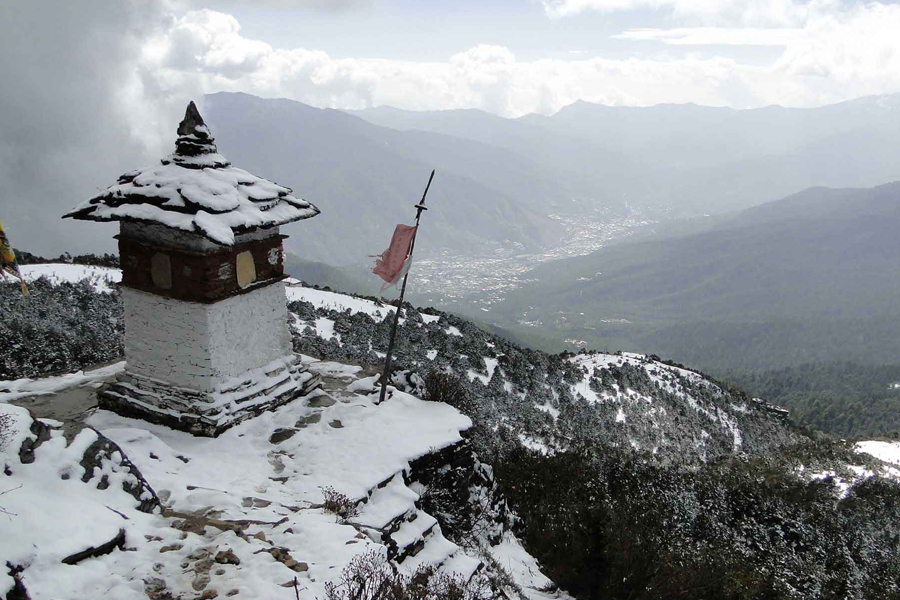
(207, 342)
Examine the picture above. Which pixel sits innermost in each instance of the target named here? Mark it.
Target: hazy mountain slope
(597, 168)
(346, 279)
(691, 159)
(366, 179)
(863, 157)
(814, 276)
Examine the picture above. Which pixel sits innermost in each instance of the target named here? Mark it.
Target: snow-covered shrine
(207, 342)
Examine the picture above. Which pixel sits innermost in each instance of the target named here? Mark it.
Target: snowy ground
(101, 278)
(256, 491)
(335, 301)
(22, 388)
(889, 452)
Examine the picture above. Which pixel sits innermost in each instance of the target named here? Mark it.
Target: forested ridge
(842, 398)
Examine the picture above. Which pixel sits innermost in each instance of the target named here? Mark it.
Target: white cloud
(833, 56)
(780, 13)
(724, 36)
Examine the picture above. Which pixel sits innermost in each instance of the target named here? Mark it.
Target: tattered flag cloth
(8, 260)
(394, 262)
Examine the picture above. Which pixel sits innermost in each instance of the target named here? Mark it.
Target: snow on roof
(196, 189)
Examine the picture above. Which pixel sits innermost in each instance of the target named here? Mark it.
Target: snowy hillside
(100, 278)
(241, 514)
(546, 401)
(668, 477)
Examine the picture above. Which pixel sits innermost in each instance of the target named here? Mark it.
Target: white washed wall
(248, 331)
(196, 345)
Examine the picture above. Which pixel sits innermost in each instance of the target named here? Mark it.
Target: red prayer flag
(390, 264)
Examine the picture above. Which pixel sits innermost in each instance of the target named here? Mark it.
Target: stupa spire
(191, 121)
(195, 148)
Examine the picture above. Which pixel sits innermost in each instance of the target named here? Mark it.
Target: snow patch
(102, 279)
(19, 388)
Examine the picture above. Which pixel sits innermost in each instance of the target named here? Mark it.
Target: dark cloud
(69, 77)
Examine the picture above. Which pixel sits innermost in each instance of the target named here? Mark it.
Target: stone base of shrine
(210, 413)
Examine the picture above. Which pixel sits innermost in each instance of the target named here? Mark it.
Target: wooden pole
(387, 359)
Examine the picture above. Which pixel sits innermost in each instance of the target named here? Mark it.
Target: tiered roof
(196, 189)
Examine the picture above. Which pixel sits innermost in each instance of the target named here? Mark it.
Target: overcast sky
(94, 88)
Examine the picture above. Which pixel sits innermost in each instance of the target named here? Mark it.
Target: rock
(233, 592)
(276, 462)
(102, 450)
(170, 548)
(336, 424)
(203, 566)
(209, 595)
(155, 589)
(227, 557)
(308, 420)
(26, 450)
(283, 556)
(250, 502)
(321, 402)
(281, 434)
(116, 542)
(260, 536)
(191, 525)
(200, 581)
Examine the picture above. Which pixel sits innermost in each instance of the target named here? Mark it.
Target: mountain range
(367, 178)
(502, 185)
(690, 159)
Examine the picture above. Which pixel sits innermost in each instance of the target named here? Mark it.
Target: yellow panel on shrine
(8, 260)
(6, 252)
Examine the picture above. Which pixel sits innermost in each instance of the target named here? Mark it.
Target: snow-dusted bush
(447, 388)
(6, 430)
(339, 504)
(59, 327)
(369, 576)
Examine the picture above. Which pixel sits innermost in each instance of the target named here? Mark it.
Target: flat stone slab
(281, 435)
(308, 420)
(321, 402)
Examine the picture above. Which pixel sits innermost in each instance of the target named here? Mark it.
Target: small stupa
(207, 342)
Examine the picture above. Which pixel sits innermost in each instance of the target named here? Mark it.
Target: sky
(95, 88)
